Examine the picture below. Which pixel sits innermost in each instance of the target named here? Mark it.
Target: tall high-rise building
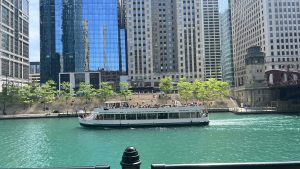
(81, 36)
(212, 43)
(226, 47)
(177, 38)
(272, 25)
(163, 34)
(190, 39)
(34, 73)
(139, 42)
(14, 44)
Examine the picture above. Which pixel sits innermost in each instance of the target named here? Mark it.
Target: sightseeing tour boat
(118, 114)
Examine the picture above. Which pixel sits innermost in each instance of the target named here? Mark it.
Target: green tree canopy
(66, 91)
(124, 90)
(166, 84)
(200, 90)
(211, 89)
(185, 89)
(8, 95)
(86, 90)
(105, 91)
(46, 92)
(27, 94)
(217, 89)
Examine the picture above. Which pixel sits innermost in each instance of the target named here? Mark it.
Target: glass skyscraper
(81, 36)
(226, 48)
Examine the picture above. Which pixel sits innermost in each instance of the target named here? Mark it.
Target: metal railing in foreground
(131, 160)
(271, 165)
(96, 167)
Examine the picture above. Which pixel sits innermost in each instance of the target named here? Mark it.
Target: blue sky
(34, 31)
(223, 5)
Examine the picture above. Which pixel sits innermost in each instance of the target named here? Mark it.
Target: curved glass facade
(87, 33)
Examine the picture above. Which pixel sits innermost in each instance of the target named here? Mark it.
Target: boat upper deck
(150, 110)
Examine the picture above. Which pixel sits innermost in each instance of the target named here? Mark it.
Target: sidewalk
(255, 110)
(34, 116)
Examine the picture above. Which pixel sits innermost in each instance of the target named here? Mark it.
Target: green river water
(228, 138)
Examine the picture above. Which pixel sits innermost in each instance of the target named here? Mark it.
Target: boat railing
(146, 107)
(262, 165)
(153, 110)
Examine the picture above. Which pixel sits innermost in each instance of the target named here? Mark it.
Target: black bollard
(130, 159)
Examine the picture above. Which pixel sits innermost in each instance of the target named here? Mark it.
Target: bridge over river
(286, 83)
(283, 78)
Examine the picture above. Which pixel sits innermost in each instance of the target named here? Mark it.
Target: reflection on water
(228, 138)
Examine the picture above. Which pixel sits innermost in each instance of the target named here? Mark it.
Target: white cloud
(34, 30)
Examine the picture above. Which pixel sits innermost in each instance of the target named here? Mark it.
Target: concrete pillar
(295, 77)
(87, 77)
(59, 82)
(285, 77)
(271, 80)
(72, 80)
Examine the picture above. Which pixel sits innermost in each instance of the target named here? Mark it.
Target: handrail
(95, 167)
(260, 165)
(131, 160)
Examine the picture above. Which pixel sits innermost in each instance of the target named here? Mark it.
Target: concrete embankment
(218, 110)
(35, 116)
(66, 115)
(255, 110)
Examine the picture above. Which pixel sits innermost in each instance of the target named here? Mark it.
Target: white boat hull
(199, 118)
(144, 123)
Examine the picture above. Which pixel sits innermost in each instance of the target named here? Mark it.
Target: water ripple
(228, 138)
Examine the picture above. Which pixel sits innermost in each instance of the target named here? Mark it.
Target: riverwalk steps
(138, 99)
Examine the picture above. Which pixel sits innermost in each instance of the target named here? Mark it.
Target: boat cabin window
(116, 104)
(111, 105)
(194, 114)
(120, 116)
(141, 116)
(152, 116)
(162, 115)
(125, 104)
(185, 115)
(131, 116)
(99, 117)
(109, 116)
(173, 116)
